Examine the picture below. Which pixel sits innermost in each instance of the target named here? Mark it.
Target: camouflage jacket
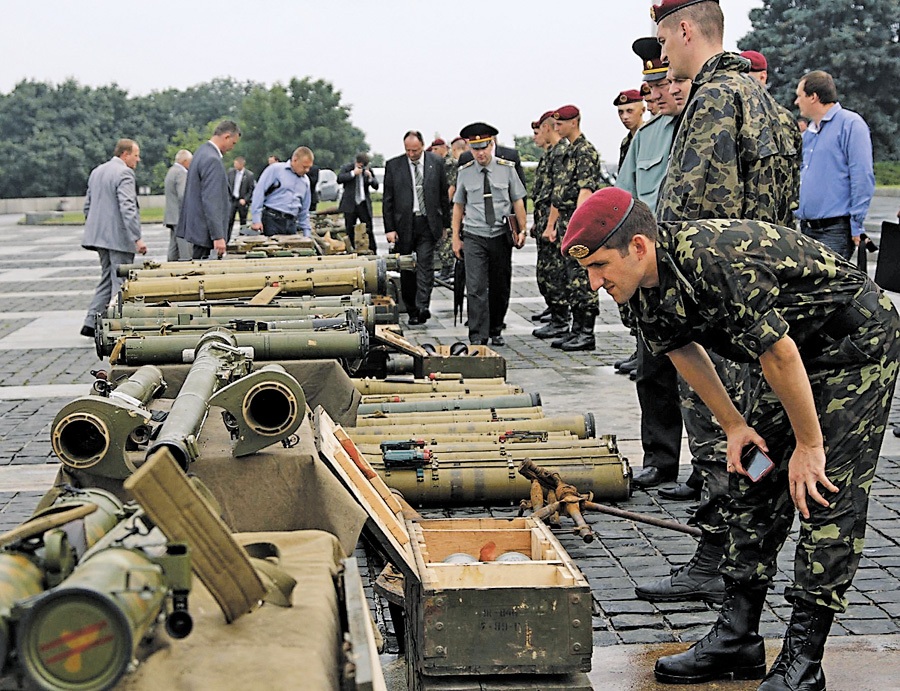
(737, 287)
(579, 169)
(623, 147)
(542, 190)
(451, 166)
(736, 153)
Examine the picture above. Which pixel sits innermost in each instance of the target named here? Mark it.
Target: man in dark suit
(207, 200)
(504, 152)
(356, 204)
(241, 182)
(411, 182)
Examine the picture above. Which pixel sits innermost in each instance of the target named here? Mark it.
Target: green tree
(856, 41)
(304, 113)
(528, 150)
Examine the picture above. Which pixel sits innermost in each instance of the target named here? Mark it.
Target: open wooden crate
(482, 363)
(487, 617)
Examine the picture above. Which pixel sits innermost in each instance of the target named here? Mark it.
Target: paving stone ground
(46, 281)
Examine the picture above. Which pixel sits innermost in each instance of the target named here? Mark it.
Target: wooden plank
(371, 475)
(388, 336)
(442, 543)
(398, 553)
(266, 295)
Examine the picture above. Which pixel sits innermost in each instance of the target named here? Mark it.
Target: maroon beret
(457, 139)
(548, 114)
(438, 142)
(630, 96)
(595, 221)
(667, 7)
(758, 62)
(566, 113)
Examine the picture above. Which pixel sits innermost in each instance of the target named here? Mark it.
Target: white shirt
(412, 174)
(238, 176)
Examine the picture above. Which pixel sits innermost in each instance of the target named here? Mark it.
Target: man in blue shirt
(837, 178)
(281, 198)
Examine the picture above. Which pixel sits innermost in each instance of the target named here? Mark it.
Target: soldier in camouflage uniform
(577, 178)
(443, 252)
(551, 266)
(828, 342)
(735, 155)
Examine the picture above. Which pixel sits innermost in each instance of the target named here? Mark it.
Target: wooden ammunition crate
(485, 618)
(480, 363)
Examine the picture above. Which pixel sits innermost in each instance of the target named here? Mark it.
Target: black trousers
(199, 252)
(237, 210)
(416, 286)
(657, 390)
(277, 223)
(360, 215)
(488, 279)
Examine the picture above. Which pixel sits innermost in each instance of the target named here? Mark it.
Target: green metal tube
(581, 425)
(271, 345)
(385, 386)
(361, 437)
(151, 269)
(524, 400)
(233, 307)
(96, 432)
(83, 633)
(96, 525)
(436, 396)
(20, 579)
(573, 445)
(443, 417)
(216, 353)
(607, 477)
(307, 282)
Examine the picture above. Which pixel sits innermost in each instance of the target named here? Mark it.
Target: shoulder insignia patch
(466, 165)
(504, 162)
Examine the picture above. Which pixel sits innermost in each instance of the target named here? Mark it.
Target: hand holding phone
(756, 463)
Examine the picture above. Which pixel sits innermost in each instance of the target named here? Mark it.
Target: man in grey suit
(416, 209)
(112, 225)
(179, 249)
(207, 202)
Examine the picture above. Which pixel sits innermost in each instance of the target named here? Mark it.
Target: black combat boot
(733, 649)
(558, 326)
(699, 579)
(798, 666)
(583, 330)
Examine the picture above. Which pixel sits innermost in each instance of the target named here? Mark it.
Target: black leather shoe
(680, 492)
(479, 341)
(618, 363)
(416, 321)
(897, 431)
(628, 367)
(558, 343)
(540, 315)
(498, 341)
(651, 476)
(424, 315)
(699, 579)
(87, 331)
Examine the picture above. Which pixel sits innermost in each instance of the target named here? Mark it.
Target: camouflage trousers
(707, 441)
(581, 298)
(443, 254)
(551, 274)
(853, 383)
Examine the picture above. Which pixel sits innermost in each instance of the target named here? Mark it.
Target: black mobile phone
(756, 463)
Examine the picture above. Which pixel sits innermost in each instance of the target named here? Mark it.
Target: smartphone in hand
(756, 463)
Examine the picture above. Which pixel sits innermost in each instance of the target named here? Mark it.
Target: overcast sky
(431, 65)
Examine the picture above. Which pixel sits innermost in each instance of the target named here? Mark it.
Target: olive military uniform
(551, 265)
(735, 155)
(737, 287)
(444, 250)
(579, 169)
(487, 247)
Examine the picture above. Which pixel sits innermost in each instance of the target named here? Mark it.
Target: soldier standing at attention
(487, 191)
(735, 155)
(577, 178)
(551, 267)
(630, 105)
(763, 293)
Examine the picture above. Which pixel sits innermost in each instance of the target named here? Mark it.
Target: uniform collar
(719, 63)
(674, 288)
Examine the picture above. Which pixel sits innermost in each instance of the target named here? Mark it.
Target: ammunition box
(486, 617)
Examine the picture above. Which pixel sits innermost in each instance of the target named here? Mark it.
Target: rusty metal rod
(643, 518)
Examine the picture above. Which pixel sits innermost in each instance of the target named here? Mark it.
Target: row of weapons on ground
(439, 441)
